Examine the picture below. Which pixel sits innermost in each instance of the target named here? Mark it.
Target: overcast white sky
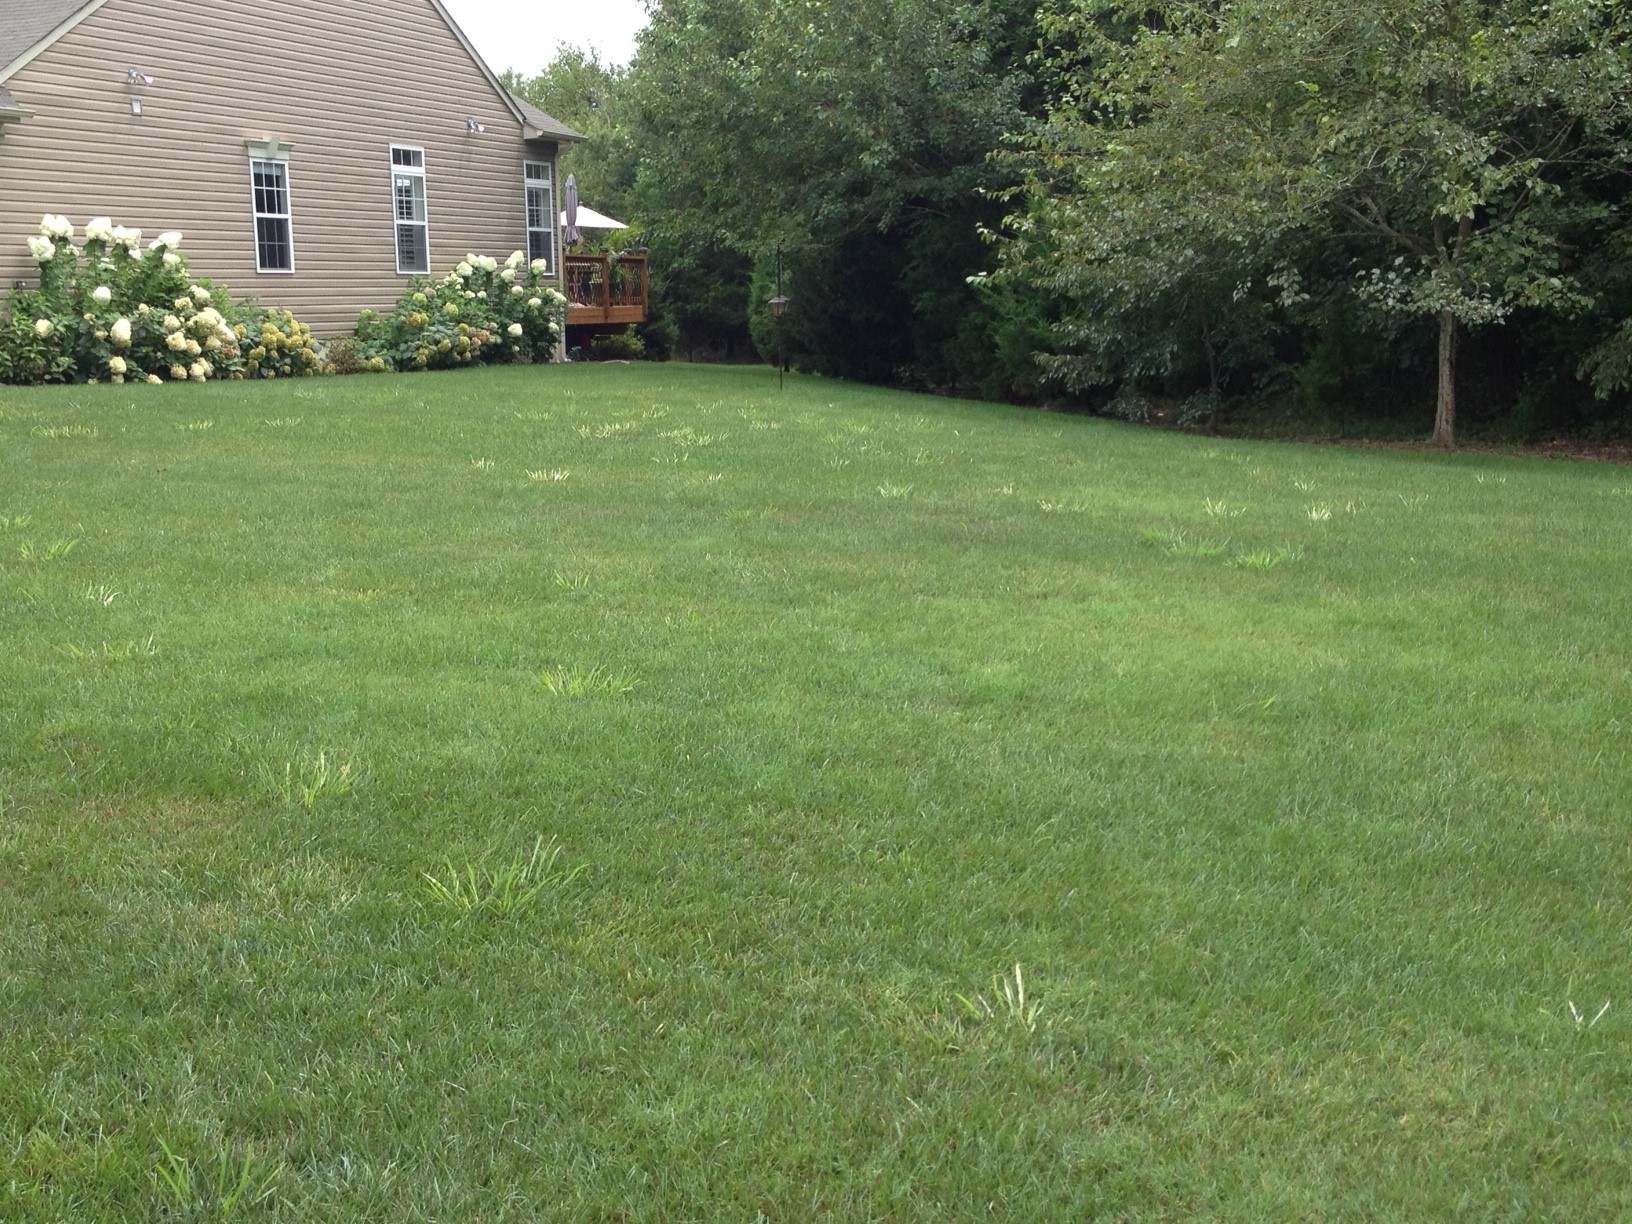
(524, 34)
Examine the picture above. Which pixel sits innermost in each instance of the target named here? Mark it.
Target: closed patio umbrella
(569, 219)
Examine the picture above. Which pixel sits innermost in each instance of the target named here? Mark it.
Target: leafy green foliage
(616, 346)
(856, 141)
(1198, 176)
(592, 98)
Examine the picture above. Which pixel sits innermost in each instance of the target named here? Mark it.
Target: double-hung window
(540, 214)
(408, 206)
(269, 202)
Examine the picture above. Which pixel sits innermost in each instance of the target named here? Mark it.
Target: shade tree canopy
(1450, 154)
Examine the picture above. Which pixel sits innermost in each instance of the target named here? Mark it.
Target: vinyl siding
(338, 81)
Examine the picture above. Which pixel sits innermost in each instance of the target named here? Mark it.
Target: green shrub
(618, 346)
(343, 356)
(478, 314)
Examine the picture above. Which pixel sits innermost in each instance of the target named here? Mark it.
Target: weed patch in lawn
(505, 891)
(596, 681)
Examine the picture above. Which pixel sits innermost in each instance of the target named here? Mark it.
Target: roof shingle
(547, 124)
(24, 22)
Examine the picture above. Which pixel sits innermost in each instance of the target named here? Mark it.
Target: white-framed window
(274, 221)
(540, 213)
(408, 209)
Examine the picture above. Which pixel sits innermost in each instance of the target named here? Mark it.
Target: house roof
(28, 26)
(25, 24)
(545, 125)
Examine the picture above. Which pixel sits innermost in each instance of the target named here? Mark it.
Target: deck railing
(605, 288)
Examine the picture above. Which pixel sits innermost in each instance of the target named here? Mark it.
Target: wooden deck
(604, 289)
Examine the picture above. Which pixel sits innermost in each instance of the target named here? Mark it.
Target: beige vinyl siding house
(317, 94)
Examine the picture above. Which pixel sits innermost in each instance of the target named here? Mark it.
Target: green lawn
(1295, 783)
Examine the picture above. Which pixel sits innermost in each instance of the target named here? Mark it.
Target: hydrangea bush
(285, 348)
(480, 313)
(112, 310)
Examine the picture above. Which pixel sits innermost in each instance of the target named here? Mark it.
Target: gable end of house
(317, 154)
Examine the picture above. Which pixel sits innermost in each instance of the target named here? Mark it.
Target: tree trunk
(1445, 409)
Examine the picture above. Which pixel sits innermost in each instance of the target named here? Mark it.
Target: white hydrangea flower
(176, 342)
(517, 290)
(43, 328)
(171, 259)
(193, 348)
(213, 344)
(99, 229)
(534, 302)
(170, 240)
(482, 293)
(171, 323)
(154, 379)
(487, 263)
(42, 249)
(508, 276)
(196, 371)
(179, 373)
(54, 225)
(183, 303)
(515, 261)
(470, 294)
(539, 266)
(116, 364)
(513, 330)
(121, 332)
(102, 295)
(201, 295)
(130, 239)
(463, 269)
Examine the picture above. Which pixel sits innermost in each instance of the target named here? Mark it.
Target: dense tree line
(1333, 207)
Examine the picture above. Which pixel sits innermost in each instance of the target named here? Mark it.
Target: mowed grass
(636, 793)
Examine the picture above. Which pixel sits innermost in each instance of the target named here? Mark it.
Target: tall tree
(1448, 138)
(828, 127)
(593, 98)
